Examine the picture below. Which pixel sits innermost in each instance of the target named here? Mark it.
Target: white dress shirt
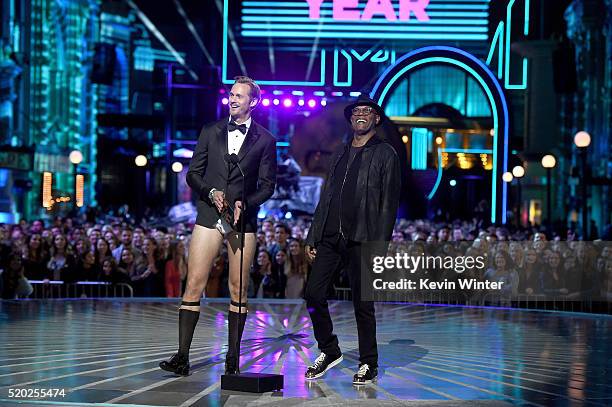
(236, 138)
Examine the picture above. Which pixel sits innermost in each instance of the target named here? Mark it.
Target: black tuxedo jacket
(209, 169)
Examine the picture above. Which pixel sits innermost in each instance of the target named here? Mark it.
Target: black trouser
(332, 253)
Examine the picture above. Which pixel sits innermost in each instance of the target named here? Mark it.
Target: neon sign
(347, 10)
(439, 20)
(333, 42)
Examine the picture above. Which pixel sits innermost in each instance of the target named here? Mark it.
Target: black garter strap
(191, 303)
(238, 304)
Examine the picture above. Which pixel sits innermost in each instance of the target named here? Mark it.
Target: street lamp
(76, 157)
(519, 172)
(177, 167)
(507, 177)
(549, 162)
(582, 140)
(140, 160)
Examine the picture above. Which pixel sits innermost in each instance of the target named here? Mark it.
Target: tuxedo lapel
(249, 140)
(222, 137)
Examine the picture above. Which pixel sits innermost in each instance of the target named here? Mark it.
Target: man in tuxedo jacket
(217, 182)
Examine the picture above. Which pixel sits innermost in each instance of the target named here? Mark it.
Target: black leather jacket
(378, 192)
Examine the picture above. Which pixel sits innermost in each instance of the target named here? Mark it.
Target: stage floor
(105, 352)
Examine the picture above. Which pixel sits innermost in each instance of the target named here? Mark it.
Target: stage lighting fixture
(323, 102)
(301, 102)
(287, 102)
(225, 101)
(276, 102)
(265, 102)
(452, 182)
(312, 103)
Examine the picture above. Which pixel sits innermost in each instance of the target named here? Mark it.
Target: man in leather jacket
(358, 204)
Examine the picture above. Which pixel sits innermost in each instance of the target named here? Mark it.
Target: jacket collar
(371, 142)
(250, 139)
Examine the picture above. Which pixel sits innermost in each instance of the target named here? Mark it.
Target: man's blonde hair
(255, 92)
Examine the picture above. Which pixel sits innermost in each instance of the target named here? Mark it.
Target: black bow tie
(240, 127)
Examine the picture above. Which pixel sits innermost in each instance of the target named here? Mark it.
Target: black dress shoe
(365, 375)
(178, 364)
(231, 367)
(321, 365)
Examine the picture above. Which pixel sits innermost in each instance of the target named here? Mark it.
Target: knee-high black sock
(234, 336)
(187, 322)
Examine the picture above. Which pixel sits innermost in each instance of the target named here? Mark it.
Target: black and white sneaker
(365, 375)
(321, 365)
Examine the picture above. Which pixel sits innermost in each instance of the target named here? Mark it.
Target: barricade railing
(79, 289)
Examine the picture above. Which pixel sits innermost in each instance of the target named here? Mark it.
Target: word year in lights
(344, 10)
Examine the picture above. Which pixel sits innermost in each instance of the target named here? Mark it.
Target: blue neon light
(273, 12)
(277, 19)
(304, 4)
(313, 27)
(298, 34)
(507, 84)
(419, 148)
(349, 62)
(498, 38)
(500, 93)
(453, 150)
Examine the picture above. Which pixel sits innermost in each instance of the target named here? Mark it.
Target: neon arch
(489, 84)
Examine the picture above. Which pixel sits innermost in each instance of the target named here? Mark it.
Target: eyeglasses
(362, 111)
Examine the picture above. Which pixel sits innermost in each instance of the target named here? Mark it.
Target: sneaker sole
(332, 364)
(174, 371)
(362, 383)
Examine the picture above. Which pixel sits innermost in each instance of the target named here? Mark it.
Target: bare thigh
(203, 249)
(233, 252)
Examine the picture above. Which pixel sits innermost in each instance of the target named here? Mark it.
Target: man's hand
(237, 211)
(311, 253)
(219, 200)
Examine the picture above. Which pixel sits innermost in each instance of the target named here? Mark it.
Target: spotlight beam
(271, 56)
(232, 40)
(313, 52)
(193, 31)
(149, 24)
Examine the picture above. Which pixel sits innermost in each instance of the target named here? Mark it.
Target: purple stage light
(323, 102)
(287, 102)
(225, 101)
(266, 102)
(301, 102)
(276, 102)
(312, 103)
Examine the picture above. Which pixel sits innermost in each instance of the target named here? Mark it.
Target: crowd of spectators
(153, 260)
